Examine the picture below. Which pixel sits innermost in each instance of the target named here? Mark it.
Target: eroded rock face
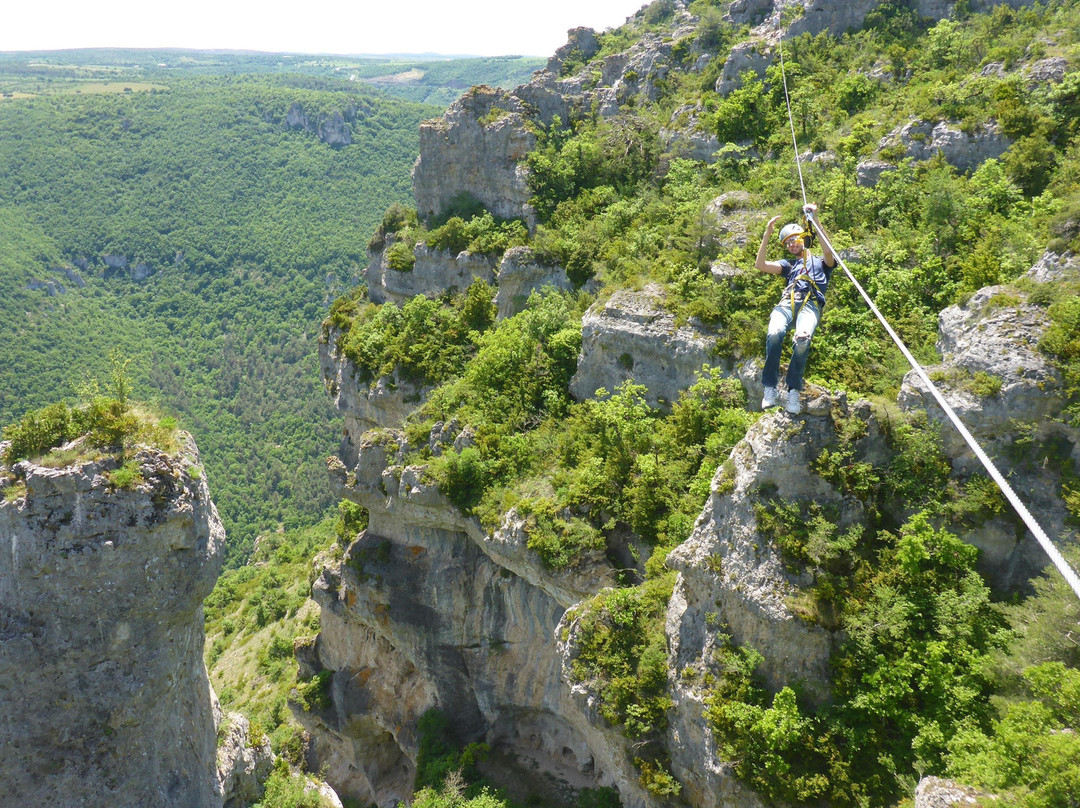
(365, 404)
(934, 792)
(435, 272)
(428, 610)
(631, 336)
(685, 137)
(521, 274)
(996, 380)
(963, 150)
(105, 698)
(474, 151)
(733, 582)
(242, 768)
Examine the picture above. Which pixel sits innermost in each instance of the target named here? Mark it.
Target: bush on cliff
(109, 422)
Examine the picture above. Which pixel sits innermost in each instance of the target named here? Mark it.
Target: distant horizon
(248, 51)
(471, 29)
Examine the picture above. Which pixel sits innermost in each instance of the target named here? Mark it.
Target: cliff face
(104, 698)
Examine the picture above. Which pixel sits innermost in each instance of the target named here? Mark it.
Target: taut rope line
(1048, 547)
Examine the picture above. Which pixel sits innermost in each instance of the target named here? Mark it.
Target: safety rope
(1048, 547)
(791, 120)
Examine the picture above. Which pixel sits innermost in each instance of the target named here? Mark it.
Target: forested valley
(159, 206)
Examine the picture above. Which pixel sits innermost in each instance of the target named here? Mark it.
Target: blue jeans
(809, 314)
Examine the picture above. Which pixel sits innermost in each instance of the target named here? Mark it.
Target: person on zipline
(806, 279)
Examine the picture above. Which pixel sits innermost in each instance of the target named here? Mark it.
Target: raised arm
(772, 267)
(827, 255)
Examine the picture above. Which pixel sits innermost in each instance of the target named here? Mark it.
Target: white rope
(1044, 540)
(791, 121)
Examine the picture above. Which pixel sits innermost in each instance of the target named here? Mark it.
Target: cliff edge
(104, 697)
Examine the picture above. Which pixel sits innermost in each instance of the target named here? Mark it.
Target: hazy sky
(482, 27)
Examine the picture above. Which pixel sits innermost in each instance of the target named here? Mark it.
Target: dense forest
(171, 214)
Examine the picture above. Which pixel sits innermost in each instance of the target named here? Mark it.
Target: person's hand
(772, 223)
(809, 210)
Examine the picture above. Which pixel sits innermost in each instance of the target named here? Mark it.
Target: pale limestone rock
(475, 150)
(581, 44)
(334, 131)
(965, 151)
(105, 698)
(736, 219)
(750, 56)
(1053, 267)
(996, 333)
(72, 275)
(296, 118)
(607, 744)
(632, 336)
(241, 768)
(934, 792)
(868, 172)
(434, 273)
(727, 567)
(521, 274)
(426, 610)
(683, 136)
(382, 402)
(752, 12)
(1046, 71)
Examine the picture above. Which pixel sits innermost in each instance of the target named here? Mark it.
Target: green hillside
(428, 79)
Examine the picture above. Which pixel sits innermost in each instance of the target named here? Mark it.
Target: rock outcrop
(365, 404)
(965, 151)
(521, 274)
(433, 273)
(427, 609)
(935, 792)
(242, 768)
(632, 336)
(992, 375)
(474, 153)
(332, 129)
(104, 697)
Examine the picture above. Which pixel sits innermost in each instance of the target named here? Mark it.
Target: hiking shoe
(770, 398)
(794, 406)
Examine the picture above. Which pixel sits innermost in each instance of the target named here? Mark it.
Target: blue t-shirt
(790, 270)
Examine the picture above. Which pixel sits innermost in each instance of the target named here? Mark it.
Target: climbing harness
(1040, 535)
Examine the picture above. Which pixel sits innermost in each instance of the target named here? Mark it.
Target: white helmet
(788, 231)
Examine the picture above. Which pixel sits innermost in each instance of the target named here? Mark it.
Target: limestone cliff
(104, 697)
